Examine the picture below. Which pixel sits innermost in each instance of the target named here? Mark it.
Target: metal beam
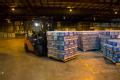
(41, 4)
(29, 5)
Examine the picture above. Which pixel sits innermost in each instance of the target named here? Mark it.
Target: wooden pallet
(109, 59)
(88, 50)
(53, 57)
(118, 64)
(65, 59)
(71, 57)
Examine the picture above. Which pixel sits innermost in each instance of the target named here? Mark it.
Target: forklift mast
(43, 24)
(40, 27)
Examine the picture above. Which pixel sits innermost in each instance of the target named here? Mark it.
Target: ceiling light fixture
(13, 9)
(70, 10)
(36, 24)
(116, 12)
(69, 7)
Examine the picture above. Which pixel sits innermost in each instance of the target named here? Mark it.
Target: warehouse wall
(107, 26)
(65, 26)
(20, 27)
(6, 27)
(79, 26)
(86, 26)
(16, 26)
(83, 26)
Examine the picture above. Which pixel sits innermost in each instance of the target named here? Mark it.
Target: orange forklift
(37, 42)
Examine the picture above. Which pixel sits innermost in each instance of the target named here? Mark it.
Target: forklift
(37, 42)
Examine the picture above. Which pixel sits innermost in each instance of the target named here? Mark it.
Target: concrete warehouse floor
(16, 64)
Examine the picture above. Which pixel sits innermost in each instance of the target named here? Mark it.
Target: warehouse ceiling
(58, 9)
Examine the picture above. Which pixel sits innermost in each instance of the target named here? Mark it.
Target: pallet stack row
(62, 45)
(106, 35)
(111, 50)
(88, 41)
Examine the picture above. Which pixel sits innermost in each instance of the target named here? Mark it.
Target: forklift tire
(26, 48)
(38, 50)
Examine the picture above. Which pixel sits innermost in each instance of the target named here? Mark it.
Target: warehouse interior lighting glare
(13, 9)
(70, 10)
(36, 24)
(69, 7)
(116, 12)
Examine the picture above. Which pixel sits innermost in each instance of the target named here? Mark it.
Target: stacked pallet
(106, 35)
(6, 35)
(62, 45)
(88, 40)
(111, 50)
